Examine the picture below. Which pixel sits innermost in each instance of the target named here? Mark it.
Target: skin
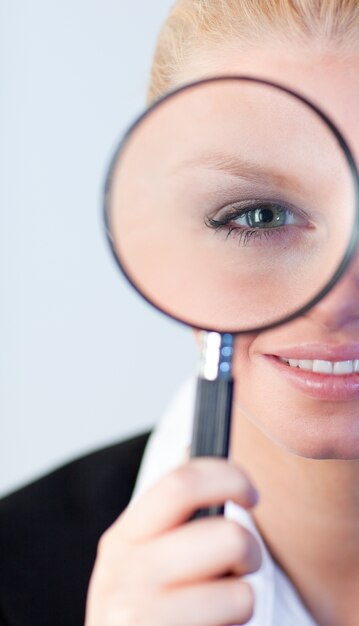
(301, 453)
(280, 435)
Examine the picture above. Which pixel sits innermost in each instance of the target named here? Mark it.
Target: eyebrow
(235, 166)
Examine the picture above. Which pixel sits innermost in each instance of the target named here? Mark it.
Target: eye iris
(265, 217)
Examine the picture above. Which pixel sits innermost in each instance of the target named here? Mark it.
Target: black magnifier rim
(352, 244)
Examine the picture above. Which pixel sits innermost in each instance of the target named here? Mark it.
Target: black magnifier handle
(212, 414)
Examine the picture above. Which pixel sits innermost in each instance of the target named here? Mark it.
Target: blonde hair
(193, 24)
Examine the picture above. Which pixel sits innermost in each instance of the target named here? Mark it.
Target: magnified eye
(256, 219)
(266, 216)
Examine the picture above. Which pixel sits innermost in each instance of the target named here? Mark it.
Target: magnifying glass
(231, 205)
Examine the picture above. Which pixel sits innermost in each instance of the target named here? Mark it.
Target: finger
(219, 603)
(200, 550)
(200, 483)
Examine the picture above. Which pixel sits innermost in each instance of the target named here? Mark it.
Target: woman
(301, 449)
(294, 466)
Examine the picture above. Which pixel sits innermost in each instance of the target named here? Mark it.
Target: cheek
(257, 393)
(303, 426)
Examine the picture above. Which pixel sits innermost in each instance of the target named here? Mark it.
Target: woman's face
(312, 414)
(183, 170)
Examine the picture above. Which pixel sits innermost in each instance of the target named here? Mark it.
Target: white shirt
(276, 601)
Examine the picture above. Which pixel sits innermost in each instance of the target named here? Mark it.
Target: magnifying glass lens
(231, 205)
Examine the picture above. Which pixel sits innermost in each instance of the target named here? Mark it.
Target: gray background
(83, 361)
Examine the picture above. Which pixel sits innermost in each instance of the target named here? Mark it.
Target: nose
(340, 307)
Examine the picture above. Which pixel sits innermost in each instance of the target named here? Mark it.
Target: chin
(323, 450)
(329, 437)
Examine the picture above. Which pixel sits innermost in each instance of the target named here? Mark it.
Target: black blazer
(49, 532)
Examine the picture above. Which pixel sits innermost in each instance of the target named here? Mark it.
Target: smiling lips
(318, 366)
(329, 380)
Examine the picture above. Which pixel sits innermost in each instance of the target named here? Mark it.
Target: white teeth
(294, 362)
(337, 368)
(343, 367)
(305, 364)
(322, 367)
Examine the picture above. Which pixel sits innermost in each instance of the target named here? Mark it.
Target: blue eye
(267, 216)
(256, 219)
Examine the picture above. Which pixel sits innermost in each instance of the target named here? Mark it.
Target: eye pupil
(265, 216)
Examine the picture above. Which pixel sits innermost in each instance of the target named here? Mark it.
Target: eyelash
(245, 234)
